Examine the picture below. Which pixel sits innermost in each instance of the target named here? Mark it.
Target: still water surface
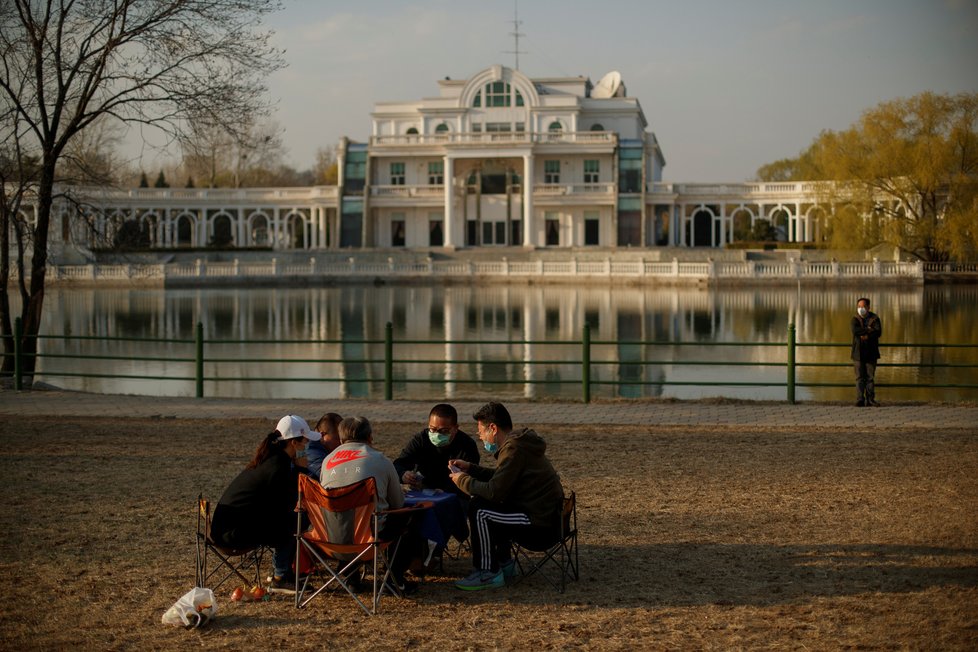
(519, 341)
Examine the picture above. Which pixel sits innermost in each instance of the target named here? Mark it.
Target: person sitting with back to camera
(519, 500)
(423, 463)
(258, 507)
(356, 459)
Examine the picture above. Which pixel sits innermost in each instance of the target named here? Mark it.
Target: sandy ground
(719, 538)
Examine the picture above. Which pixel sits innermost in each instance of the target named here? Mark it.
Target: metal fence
(196, 353)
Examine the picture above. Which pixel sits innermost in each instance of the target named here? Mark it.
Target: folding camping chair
(231, 561)
(560, 557)
(343, 528)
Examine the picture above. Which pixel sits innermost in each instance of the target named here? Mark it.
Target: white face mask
(862, 311)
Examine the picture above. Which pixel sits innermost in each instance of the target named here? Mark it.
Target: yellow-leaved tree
(906, 173)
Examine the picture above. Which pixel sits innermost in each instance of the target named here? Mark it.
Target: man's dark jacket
(432, 462)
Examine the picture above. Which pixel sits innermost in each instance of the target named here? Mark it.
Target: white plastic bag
(196, 608)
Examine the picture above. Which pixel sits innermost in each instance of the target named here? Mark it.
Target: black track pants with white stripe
(493, 528)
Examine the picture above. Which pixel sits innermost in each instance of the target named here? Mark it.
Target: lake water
(519, 341)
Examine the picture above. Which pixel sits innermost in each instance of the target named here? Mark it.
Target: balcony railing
(540, 189)
(496, 138)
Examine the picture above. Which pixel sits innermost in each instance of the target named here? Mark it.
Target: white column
(449, 220)
(529, 240)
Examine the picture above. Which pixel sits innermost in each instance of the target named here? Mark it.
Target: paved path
(686, 413)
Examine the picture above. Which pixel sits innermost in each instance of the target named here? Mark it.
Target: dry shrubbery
(689, 539)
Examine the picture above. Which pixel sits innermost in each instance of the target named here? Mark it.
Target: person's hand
(411, 478)
(454, 466)
(455, 477)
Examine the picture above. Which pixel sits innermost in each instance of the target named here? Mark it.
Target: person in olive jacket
(518, 500)
(866, 330)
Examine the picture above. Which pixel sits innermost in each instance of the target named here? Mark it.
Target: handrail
(587, 362)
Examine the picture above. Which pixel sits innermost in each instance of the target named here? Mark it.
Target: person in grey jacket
(518, 500)
(356, 459)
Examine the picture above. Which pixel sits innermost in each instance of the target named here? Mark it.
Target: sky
(726, 85)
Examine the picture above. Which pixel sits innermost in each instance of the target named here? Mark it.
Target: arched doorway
(702, 228)
(223, 232)
(296, 231)
(185, 231)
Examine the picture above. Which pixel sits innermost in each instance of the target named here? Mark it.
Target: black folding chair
(230, 562)
(558, 562)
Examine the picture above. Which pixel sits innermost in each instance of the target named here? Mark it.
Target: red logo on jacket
(342, 457)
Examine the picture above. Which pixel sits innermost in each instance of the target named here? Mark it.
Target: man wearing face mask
(866, 331)
(424, 461)
(518, 500)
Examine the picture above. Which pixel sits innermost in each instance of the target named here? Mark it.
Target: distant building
(498, 159)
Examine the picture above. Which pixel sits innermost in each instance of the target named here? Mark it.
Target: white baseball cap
(292, 427)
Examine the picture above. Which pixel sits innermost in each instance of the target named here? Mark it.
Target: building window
(592, 228)
(487, 233)
(397, 230)
(498, 94)
(441, 128)
(552, 227)
(551, 171)
(498, 127)
(397, 174)
(554, 131)
(630, 169)
(592, 170)
(520, 127)
(477, 127)
(436, 234)
(412, 131)
(436, 173)
(597, 126)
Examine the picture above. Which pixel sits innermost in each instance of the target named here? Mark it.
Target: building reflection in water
(508, 331)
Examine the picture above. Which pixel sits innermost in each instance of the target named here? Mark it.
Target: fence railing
(200, 353)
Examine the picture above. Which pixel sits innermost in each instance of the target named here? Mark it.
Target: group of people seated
(519, 499)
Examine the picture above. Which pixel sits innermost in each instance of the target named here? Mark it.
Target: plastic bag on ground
(194, 609)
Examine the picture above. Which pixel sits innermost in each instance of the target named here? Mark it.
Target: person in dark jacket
(518, 500)
(866, 330)
(424, 461)
(258, 507)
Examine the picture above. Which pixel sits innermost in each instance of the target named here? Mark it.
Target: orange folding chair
(559, 562)
(230, 561)
(343, 528)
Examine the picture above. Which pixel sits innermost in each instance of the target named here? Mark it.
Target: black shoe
(402, 587)
(282, 584)
(860, 403)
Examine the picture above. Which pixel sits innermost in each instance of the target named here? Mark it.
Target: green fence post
(18, 333)
(586, 363)
(791, 363)
(199, 341)
(389, 362)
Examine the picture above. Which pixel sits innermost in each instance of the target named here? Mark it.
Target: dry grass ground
(690, 539)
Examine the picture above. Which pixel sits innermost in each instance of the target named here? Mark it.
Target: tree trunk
(34, 301)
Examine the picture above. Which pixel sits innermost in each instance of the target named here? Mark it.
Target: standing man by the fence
(866, 331)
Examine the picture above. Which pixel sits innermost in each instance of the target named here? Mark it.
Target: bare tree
(169, 64)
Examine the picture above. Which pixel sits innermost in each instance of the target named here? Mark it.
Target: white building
(497, 159)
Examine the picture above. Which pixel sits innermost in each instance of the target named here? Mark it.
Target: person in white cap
(258, 506)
